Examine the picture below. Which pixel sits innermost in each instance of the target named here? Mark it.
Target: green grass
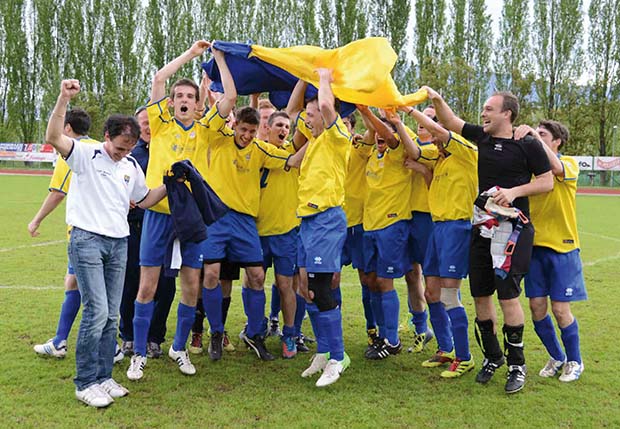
(241, 391)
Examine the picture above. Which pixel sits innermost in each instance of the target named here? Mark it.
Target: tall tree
(429, 43)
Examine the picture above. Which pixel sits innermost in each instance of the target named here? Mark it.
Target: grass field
(240, 391)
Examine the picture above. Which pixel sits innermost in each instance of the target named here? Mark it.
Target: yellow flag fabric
(361, 70)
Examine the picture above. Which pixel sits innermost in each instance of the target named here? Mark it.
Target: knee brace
(320, 285)
(450, 298)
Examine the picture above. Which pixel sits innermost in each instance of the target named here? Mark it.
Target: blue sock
(255, 310)
(331, 323)
(68, 311)
(185, 320)
(275, 302)
(368, 313)
(322, 343)
(391, 308)
(377, 309)
(546, 332)
(299, 314)
(337, 295)
(458, 320)
(142, 315)
(419, 321)
(441, 326)
(570, 338)
(212, 303)
(288, 331)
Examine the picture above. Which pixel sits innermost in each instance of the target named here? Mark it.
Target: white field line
(604, 237)
(27, 246)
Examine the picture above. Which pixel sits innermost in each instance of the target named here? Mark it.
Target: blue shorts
(352, 251)
(233, 237)
(420, 229)
(156, 241)
(556, 275)
(447, 255)
(322, 236)
(281, 252)
(384, 249)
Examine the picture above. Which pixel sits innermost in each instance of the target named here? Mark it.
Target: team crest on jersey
(126, 178)
(192, 135)
(248, 157)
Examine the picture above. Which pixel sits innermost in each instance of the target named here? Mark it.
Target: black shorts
(482, 278)
(229, 270)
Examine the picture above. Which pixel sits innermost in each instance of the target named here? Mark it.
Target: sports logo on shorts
(452, 269)
(390, 270)
(318, 260)
(568, 291)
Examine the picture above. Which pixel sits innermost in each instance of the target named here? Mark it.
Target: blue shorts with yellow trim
(233, 237)
(156, 241)
(556, 275)
(420, 229)
(281, 252)
(353, 249)
(322, 236)
(447, 254)
(384, 249)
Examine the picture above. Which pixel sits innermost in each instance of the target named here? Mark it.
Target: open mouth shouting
(184, 109)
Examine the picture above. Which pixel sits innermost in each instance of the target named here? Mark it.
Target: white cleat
(94, 396)
(572, 371)
(136, 367)
(114, 389)
(48, 349)
(551, 368)
(318, 362)
(332, 371)
(182, 359)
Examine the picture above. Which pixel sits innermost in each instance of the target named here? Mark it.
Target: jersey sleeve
(273, 157)
(214, 121)
(338, 130)
(300, 125)
(61, 177)
(429, 154)
(78, 157)
(473, 132)
(536, 156)
(159, 115)
(571, 169)
(140, 190)
(463, 149)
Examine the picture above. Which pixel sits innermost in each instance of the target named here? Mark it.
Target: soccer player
(277, 226)
(173, 138)
(510, 165)
(323, 227)
(265, 110)
(386, 225)
(104, 182)
(556, 271)
(166, 286)
(236, 160)
(451, 200)
(77, 124)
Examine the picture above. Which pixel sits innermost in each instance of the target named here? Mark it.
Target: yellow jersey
(300, 124)
(234, 172)
(355, 186)
(278, 199)
(419, 189)
(554, 214)
(455, 181)
(171, 141)
(389, 185)
(323, 170)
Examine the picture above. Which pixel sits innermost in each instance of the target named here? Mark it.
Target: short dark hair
(117, 125)
(557, 129)
(247, 114)
(352, 119)
(509, 102)
(277, 114)
(185, 82)
(316, 98)
(79, 121)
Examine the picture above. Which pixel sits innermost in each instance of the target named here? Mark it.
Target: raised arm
(296, 101)
(413, 150)
(227, 102)
(378, 126)
(445, 115)
(294, 161)
(326, 96)
(433, 127)
(69, 88)
(556, 165)
(158, 88)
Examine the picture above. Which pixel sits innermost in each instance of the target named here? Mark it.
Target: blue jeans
(99, 264)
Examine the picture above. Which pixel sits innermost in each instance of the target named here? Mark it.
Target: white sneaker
(136, 367)
(332, 371)
(551, 368)
(572, 371)
(114, 389)
(48, 349)
(118, 354)
(318, 363)
(94, 396)
(182, 359)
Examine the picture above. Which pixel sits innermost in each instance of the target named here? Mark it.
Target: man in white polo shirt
(105, 179)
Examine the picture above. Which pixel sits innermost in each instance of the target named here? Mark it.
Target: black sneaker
(216, 345)
(381, 349)
(301, 345)
(516, 378)
(153, 350)
(488, 370)
(257, 343)
(307, 339)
